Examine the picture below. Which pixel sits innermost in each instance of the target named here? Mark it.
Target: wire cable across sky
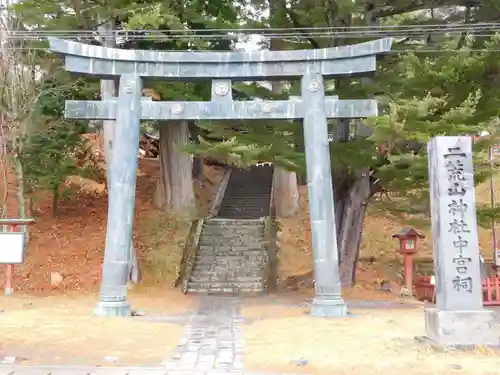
(310, 32)
(16, 38)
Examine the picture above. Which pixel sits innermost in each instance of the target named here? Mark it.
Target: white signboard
(496, 150)
(497, 257)
(11, 248)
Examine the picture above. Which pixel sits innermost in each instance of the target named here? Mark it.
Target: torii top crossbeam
(357, 59)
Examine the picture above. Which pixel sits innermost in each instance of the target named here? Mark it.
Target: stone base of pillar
(328, 306)
(121, 308)
(9, 291)
(463, 330)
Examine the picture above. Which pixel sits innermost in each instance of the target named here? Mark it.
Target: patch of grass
(163, 238)
(61, 330)
(371, 342)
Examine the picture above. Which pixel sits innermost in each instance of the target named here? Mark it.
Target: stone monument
(131, 67)
(459, 319)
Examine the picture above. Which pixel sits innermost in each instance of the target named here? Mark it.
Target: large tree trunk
(198, 161)
(352, 227)
(353, 211)
(286, 193)
(163, 194)
(286, 189)
(175, 190)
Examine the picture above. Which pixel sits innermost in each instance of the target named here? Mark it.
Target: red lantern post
(408, 247)
(5, 253)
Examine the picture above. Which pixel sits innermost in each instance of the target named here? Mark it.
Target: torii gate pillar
(328, 300)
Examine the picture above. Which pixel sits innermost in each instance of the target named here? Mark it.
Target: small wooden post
(9, 271)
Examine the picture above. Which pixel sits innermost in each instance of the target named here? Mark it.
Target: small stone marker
(459, 319)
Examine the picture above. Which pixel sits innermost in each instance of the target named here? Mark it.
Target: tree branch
(293, 18)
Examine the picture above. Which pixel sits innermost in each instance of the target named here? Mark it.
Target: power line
(166, 37)
(153, 37)
(292, 35)
(159, 36)
(324, 29)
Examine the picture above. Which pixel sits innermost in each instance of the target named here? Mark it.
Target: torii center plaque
(221, 68)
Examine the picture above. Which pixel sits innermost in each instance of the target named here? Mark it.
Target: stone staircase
(232, 257)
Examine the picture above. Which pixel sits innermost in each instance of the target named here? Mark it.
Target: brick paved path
(212, 339)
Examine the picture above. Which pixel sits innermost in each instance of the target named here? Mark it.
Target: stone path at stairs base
(213, 339)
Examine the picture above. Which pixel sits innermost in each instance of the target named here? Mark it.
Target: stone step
(249, 191)
(241, 228)
(229, 252)
(250, 256)
(219, 243)
(225, 288)
(230, 239)
(249, 194)
(214, 240)
(239, 213)
(249, 230)
(237, 206)
(233, 233)
(242, 203)
(231, 261)
(228, 278)
(244, 200)
(231, 223)
(246, 197)
(241, 207)
(254, 268)
(224, 266)
(202, 273)
(235, 223)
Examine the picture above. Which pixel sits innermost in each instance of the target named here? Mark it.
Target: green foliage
(49, 158)
(54, 146)
(421, 94)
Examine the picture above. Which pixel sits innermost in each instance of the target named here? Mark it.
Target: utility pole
(3, 127)
(496, 253)
(494, 244)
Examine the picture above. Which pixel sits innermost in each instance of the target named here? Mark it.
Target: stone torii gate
(222, 68)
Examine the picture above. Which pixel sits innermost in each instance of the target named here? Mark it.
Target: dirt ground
(295, 257)
(370, 342)
(70, 247)
(62, 330)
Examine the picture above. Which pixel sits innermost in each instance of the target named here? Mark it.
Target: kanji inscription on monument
(459, 318)
(455, 232)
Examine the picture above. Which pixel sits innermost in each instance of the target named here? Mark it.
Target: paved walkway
(212, 345)
(213, 339)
